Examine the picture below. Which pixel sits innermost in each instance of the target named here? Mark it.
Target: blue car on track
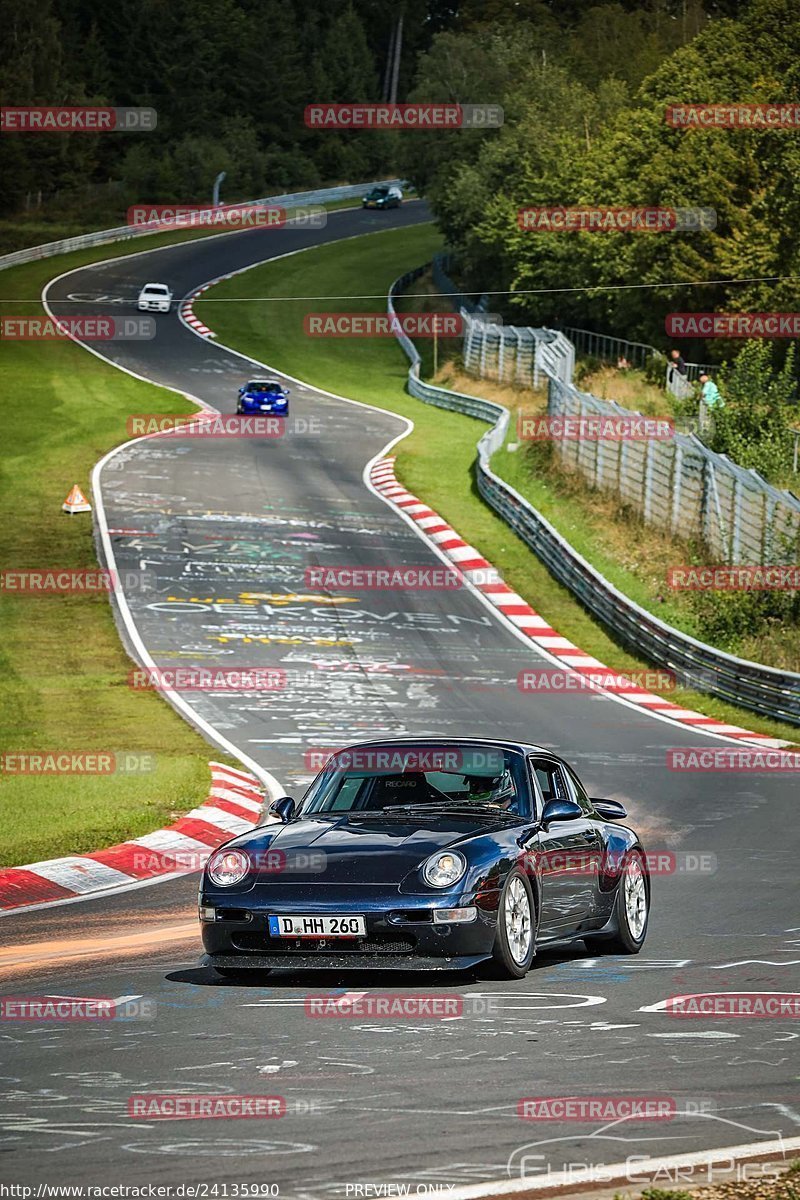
(427, 854)
(263, 396)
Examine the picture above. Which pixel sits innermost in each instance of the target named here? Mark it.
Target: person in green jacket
(710, 399)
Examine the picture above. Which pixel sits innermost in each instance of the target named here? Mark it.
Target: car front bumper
(400, 934)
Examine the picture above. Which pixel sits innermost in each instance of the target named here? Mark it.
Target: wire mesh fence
(676, 484)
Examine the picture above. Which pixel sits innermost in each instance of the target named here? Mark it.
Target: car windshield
(383, 780)
(380, 192)
(161, 288)
(264, 385)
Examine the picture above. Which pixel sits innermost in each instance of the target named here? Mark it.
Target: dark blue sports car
(427, 854)
(263, 396)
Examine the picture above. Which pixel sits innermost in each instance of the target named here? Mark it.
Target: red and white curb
(485, 578)
(234, 806)
(187, 313)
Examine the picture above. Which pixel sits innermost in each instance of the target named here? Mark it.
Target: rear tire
(631, 909)
(515, 940)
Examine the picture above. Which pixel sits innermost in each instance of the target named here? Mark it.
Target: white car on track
(154, 297)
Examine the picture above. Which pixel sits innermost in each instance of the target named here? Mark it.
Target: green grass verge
(436, 461)
(63, 670)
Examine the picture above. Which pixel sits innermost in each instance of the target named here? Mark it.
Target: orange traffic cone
(76, 502)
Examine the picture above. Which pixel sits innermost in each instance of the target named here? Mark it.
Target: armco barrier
(752, 686)
(124, 232)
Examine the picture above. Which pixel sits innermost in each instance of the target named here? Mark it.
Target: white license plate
(309, 926)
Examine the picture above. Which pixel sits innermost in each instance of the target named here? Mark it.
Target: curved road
(223, 531)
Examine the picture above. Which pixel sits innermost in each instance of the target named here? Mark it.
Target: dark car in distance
(383, 196)
(427, 854)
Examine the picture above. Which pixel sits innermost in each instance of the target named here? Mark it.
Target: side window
(550, 778)
(580, 792)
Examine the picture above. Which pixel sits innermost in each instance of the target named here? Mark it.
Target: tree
(760, 405)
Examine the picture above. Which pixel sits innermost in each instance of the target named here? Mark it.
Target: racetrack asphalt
(222, 531)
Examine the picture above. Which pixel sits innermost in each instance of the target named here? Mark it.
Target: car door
(603, 899)
(566, 854)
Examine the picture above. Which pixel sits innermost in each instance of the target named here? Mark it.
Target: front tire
(515, 940)
(632, 911)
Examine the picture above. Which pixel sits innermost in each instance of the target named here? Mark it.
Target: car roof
(152, 285)
(447, 739)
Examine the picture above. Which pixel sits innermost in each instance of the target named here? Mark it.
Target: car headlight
(227, 867)
(444, 868)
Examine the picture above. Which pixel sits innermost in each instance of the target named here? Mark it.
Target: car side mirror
(561, 810)
(287, 391)
(283, 808)
(242, 389)
(612, 810)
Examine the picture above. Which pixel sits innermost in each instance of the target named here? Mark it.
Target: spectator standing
(678, 363)
(710, 399)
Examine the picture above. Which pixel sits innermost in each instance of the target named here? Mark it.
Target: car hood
(362, 851)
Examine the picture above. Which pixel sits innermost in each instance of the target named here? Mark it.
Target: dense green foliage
(585, 125)
(230, 81)
(754, 426)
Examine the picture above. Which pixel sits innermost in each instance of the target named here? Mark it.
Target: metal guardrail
(760, 689)
(124, 232)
